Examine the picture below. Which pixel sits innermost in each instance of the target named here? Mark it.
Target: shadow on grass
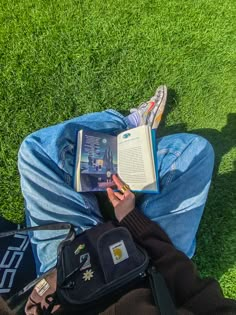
(216, 238)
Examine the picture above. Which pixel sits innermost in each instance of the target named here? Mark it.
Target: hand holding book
(122, 203)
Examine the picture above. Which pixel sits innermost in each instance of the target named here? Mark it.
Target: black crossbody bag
(93, 270)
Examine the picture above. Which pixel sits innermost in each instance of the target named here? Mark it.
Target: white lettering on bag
(11, 261)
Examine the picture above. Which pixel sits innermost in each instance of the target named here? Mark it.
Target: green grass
(61, 59)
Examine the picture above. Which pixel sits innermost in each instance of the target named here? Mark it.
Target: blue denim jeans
(46, 165)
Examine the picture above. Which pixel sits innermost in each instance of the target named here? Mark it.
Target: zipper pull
(142, 274)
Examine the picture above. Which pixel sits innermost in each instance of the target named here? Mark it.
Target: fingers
(117, 181)
(120, 184)
(112, 197)
(119, 195)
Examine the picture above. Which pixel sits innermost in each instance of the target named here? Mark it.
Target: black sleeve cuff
(140, 226)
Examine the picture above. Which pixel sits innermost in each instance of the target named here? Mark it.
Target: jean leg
(185, 163)
(46, 165)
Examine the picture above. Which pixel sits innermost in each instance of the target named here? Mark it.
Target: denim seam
(173, 168)
(61, 162)
(68, 148)
(173, 165)
(172, 173)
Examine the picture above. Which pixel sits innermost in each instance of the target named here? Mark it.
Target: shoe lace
(141, 108)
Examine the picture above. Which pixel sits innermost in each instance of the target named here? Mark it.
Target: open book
(131, 155)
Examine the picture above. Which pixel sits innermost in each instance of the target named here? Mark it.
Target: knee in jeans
(204, 147)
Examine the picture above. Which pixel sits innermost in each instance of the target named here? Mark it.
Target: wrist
(120, 215)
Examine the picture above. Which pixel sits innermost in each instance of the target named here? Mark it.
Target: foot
(150, 112)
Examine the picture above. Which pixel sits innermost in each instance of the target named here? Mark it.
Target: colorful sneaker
(150, 113)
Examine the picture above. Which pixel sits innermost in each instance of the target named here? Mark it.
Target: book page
(97, 162)
(135, 159)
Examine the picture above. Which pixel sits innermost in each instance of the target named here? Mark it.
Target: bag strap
(161, 293)
(51, 226)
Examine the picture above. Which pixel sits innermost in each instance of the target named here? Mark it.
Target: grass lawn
(61, 59)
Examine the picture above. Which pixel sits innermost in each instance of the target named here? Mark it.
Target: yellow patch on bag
(118, 252)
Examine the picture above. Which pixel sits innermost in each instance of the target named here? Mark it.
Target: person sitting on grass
(165, 224)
